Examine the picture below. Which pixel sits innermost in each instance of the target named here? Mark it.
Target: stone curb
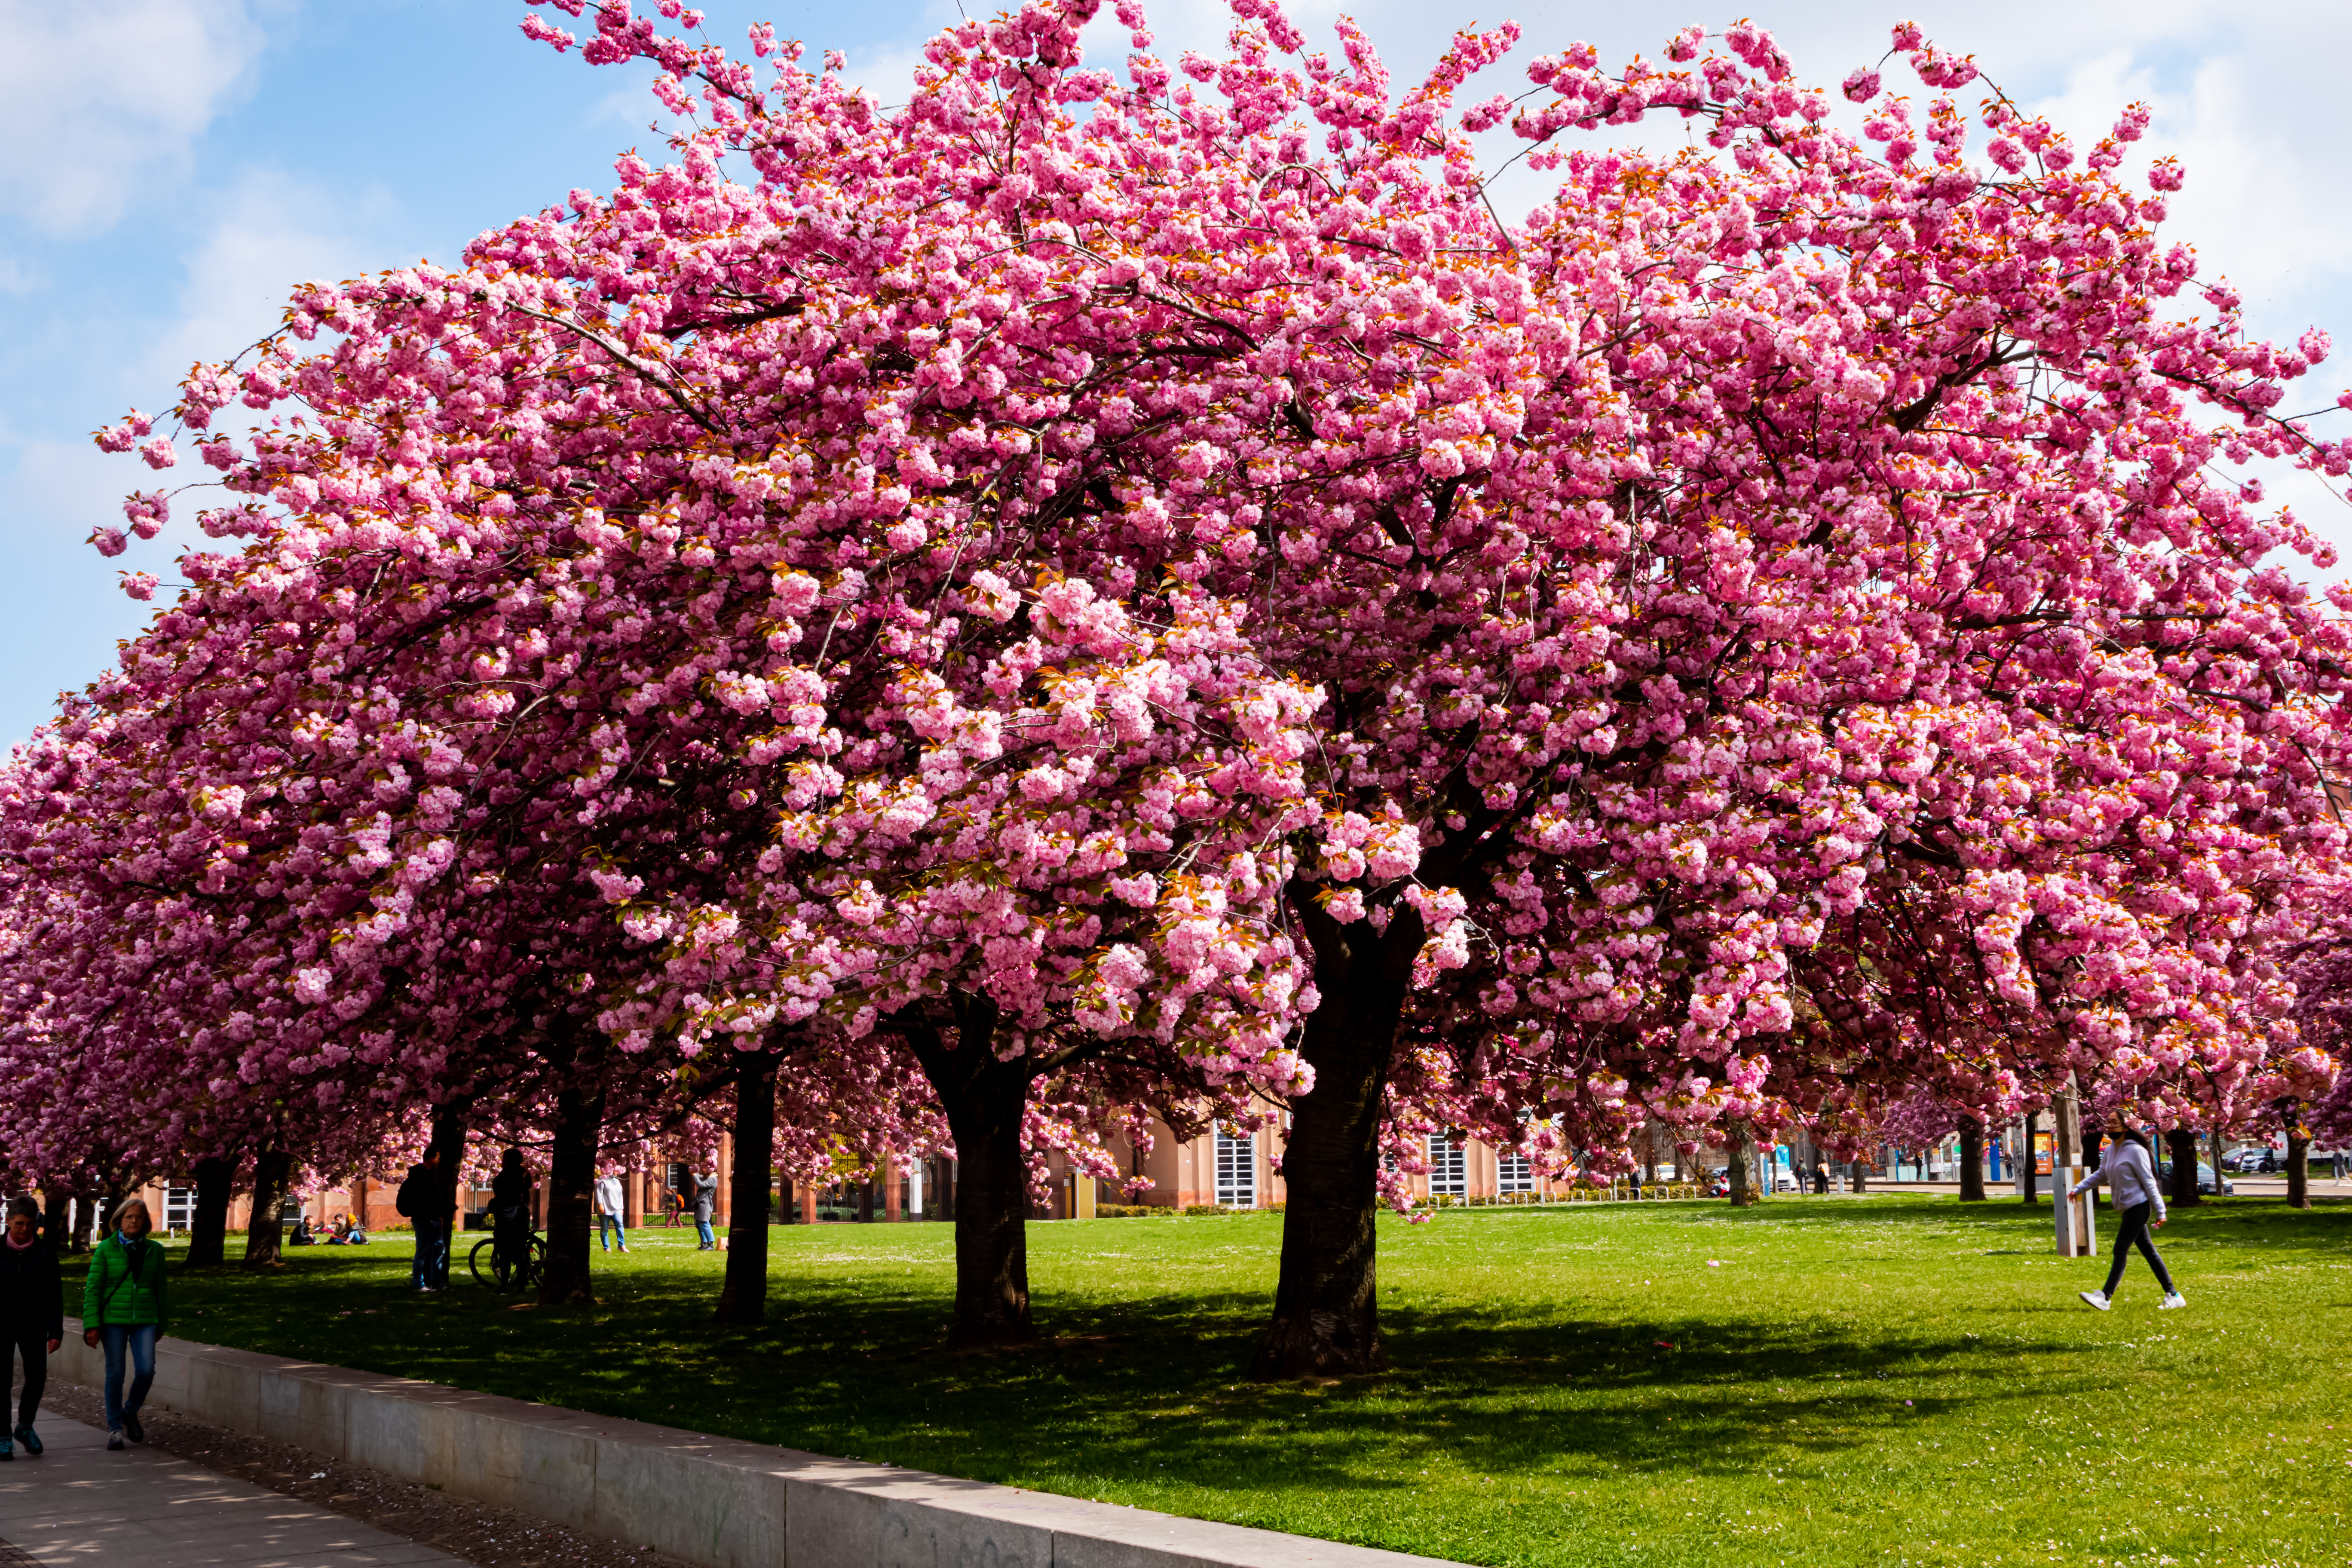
(713, 1502)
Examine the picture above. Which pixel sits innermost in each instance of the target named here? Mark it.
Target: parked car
(1785, 1181)
(2206, 1181)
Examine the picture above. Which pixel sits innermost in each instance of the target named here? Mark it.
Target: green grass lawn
(1816, 1382)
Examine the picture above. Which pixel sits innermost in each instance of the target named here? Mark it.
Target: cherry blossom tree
(1126, 592)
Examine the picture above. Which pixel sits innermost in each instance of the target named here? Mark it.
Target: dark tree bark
(984, 1101)
(1858, 1174)
(570, 1178)
(264, 1232)
(1739, 1166)
(2032, 1189)
(57, 1219)
(743, 1298)
(1325, 1318)
(209, 1227)
(2182, 1143)
(1972, 1151)
(2298, 1169)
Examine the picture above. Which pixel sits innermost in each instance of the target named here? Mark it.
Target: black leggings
(2133, 1232)
(35, 1350)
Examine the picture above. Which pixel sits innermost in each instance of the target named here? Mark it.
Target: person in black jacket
(511, 1208)
(421, 1201)
(32, 1308)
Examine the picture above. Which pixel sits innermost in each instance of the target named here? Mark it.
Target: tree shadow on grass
(1143, 1392)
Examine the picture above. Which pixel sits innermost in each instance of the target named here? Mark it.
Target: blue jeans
(702, 1226)
(610, 1230)
(140, 1339)
(431, 1264)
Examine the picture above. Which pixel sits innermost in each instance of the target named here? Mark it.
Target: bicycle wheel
(534, 1265)
(483, 1262)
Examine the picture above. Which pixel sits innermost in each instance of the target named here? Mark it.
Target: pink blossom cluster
(1147, 578)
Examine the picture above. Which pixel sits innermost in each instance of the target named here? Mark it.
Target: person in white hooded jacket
(2130, 1175)
(611, 1215)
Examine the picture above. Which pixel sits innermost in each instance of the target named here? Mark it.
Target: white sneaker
(2096, 1298)
(2171, 1298)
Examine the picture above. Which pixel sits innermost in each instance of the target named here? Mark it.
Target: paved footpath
(80, 1505)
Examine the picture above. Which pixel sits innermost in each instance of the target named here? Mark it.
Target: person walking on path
(124, 1302)
(419, 1202)
(706, 1202)
(34, 1307)
(2124, 1166)
(610, 1230)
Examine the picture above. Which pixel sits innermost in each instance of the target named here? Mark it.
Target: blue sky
(170, 168)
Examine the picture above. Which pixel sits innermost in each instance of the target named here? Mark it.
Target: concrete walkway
(78, 1504)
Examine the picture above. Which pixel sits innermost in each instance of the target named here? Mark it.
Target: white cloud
(99, 98)
(272, 231)
(59, 600)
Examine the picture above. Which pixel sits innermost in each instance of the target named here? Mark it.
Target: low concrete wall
(710, 1500)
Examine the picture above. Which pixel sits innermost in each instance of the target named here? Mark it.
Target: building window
(179, 1208)
(1514, 1175)
(1237, 1171)
(1448, 1176)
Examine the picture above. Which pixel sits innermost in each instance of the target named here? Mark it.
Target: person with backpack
(33, 1309)
(125, 1302)
(419, 1201)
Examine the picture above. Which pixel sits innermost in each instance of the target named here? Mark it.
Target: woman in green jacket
(123, 1301)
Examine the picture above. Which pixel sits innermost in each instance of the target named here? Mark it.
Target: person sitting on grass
(34, 1310)
(125, 1302)
(2123, 1165)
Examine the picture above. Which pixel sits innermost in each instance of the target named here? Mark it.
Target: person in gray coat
(705, 1203)
(2130, 1175)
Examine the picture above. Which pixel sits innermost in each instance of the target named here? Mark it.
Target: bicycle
(502, 1273)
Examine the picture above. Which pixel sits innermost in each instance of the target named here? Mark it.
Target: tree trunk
(1325, 1318)
(1972, 1151)
(2182, 1142)
(264, 1232)
(56, 1220)
(208, 1229)
(743, 1298)
(1738, 1156)
(2298, 1169)
(985, 1101)
(571, 1180)
(2032, 1184)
